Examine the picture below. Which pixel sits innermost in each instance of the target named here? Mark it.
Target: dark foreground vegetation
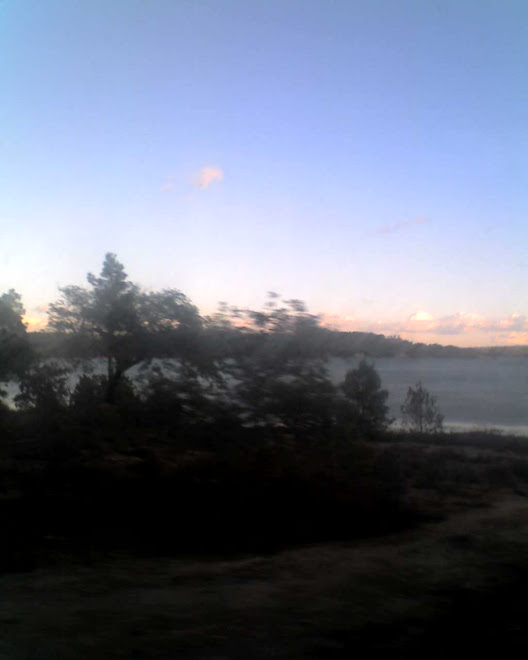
(226, 500)
(133, 490)
(229, 437)
(407, 545)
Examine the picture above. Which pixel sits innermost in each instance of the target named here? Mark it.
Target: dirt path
(404, 594)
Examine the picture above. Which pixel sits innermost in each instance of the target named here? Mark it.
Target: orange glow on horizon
(35, 323)
(469, 330)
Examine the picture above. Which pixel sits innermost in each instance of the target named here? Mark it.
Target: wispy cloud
(206, 176)
(398, 226)
(168, 186)
(202, 179)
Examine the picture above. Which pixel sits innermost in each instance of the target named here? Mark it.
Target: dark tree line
(208, 434)
(240, 368)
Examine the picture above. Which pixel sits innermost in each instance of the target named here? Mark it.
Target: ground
(452, 585)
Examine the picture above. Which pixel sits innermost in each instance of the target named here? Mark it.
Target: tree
(366, 400)
(44, 388)
(276, 367)
(15, 351)
(113, 318)
(420, 411)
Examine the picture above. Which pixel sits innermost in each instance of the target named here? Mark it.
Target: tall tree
(367, 401)
(15, 351)
(113, 318)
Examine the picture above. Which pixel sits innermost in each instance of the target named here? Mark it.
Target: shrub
(43, 388)
(420, 411)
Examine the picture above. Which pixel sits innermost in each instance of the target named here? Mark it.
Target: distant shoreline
(337, 343)
(499, 430)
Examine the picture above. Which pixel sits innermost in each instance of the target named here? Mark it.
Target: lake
(471, 392)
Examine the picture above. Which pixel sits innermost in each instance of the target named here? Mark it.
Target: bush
(44, 389)
(420, 411)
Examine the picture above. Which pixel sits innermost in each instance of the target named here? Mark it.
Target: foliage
(43, 388)
(420, 411)
(366, 401)
(172, 397)
(88, 392)
(117, 320)
(11, 312)
(276, 372)
(292, 395)
(15, 351)
(87, 398)
(89, 408)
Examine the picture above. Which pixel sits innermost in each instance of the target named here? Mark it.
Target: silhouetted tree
(43, 388)
(87, 396)
(15, 351)
(420, 411)
(276, 366)
(115, 319)
(366, 400)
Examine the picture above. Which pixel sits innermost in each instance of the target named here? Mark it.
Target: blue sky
(369, 157)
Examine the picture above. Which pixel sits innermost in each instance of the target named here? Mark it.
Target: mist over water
(471, 393)
(488, 392)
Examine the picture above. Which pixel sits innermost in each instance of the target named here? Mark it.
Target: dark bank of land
(232, 501)
(332, 343)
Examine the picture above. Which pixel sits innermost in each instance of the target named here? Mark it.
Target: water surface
(471, 392)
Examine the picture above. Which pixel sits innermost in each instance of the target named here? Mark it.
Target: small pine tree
(420, 411)
(366, 400)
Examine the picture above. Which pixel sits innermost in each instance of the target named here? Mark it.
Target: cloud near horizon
(398, 226)
(461, 328)
(421, 316)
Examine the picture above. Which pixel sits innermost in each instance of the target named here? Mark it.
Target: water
(471, 393)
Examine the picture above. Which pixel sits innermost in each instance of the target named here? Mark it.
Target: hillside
(320, 341)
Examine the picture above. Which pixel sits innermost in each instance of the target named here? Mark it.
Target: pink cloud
(206, 176)
(203, 179)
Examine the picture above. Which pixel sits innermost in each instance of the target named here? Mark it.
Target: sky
(369, 157)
